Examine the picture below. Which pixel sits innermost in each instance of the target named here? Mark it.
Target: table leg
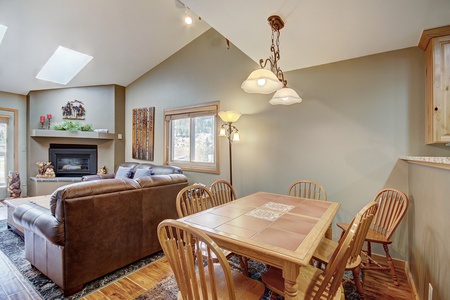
(290, 275)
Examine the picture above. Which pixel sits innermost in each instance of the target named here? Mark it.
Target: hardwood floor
(12, 284)
(377, 285)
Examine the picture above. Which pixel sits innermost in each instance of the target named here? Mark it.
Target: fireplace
(71, 160)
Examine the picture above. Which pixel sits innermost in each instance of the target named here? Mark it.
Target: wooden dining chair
(196, 198)
(311, 190)
(222, 191)
(212, 279)
(307, 189)
(193, 199)
(392, 206)
(327, 247)
(315, 283)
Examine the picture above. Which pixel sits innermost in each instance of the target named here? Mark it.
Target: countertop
(432, 161)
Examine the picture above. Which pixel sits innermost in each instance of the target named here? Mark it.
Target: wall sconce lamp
(230, 131)
(264, 81)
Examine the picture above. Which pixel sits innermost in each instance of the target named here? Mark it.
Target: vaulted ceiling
(128, 38)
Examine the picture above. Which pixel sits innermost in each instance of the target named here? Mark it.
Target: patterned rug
(168, 289)
(12, 246)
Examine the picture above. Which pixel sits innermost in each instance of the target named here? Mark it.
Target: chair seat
(325, 250)
(273, 279)
(245, 287)
(372, 235)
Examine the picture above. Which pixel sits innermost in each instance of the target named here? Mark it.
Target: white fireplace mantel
(43, 133)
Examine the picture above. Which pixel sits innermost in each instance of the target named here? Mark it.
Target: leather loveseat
(96, 227)
(155, 170)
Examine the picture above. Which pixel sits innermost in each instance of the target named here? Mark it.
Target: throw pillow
(142, 172)
(123, 172)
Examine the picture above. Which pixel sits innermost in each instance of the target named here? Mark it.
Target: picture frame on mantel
(143, 133)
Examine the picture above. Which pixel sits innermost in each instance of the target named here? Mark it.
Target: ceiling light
(63, 65)
(264, 81)
(285, 96)
(2, 32)
(261, 81)
(187, 18)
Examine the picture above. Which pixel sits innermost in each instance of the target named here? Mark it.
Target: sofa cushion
(142, 172)
(123, 172)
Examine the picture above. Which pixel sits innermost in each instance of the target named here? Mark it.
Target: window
(190, 135)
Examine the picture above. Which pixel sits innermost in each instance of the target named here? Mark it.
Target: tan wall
(429, 243)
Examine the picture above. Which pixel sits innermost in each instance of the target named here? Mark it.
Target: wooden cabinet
(436, 43)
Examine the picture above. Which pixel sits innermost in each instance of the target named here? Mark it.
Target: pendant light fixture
(266, 81)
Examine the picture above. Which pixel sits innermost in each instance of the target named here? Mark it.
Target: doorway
(8, 147)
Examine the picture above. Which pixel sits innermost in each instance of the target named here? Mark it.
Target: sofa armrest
(40, 220)
(97, 177)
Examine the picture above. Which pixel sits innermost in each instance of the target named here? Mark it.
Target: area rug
(12, 246)
(168, 289)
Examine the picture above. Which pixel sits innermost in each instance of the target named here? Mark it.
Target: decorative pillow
(142, 172)
(123, 172)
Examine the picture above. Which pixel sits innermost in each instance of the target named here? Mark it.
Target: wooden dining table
(278, 230)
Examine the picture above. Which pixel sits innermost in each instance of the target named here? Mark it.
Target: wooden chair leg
(369, 251)
(358, 283)
(391, 264)
(243, 263)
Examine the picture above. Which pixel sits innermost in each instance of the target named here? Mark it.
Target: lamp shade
(261, 81)
(236, 137)
(229, 116)
(285, 96)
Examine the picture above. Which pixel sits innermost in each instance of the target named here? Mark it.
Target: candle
(42, 119)
(49, 116)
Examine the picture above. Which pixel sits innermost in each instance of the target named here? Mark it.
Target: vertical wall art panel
(142, 133)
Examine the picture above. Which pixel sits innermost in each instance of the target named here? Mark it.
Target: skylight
(2, 32)
(63, 65)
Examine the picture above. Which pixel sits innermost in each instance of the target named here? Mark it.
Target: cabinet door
(439, 109)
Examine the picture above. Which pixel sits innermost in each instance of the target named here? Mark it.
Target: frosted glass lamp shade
(261, 81)
(229, 116)
(236, 137)
(222, 132)
(285, 96)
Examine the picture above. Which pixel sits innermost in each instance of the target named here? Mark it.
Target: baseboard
(411, 281)
(382, 260)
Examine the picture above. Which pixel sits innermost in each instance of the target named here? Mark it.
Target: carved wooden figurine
(14, 184)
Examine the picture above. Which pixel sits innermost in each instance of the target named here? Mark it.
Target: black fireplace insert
(72, 160)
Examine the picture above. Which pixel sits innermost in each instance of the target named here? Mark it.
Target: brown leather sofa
(96, 227)
(155, 169)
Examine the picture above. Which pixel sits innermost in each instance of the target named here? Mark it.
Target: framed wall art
(143, 133)
(73, 110)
